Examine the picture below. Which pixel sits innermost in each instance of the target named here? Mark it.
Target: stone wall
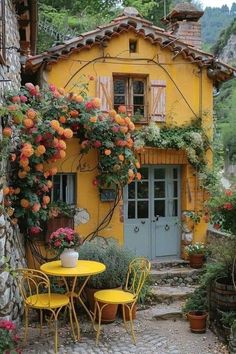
(11, 243)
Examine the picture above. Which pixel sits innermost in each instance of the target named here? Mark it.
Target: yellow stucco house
(161, 77)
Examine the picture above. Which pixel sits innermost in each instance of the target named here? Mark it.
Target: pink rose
(57, 243)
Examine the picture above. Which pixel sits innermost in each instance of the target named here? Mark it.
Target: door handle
(157, 217)
(167, 227)
(143, 222)
(136, 229)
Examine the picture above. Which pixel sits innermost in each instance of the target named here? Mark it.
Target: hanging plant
(43, 121)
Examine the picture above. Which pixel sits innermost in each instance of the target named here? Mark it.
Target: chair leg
(99, 320)
(56, 336)
(131, 324)
(124, 318)
(26, 324)
(71, 322)
(41, 322)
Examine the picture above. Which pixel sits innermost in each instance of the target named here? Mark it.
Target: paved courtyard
(170, 336)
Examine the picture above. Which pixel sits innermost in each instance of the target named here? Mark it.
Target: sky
(216, 3)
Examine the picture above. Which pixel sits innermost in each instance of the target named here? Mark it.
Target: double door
(152, 211)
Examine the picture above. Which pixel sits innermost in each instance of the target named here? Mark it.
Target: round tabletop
(83, 269)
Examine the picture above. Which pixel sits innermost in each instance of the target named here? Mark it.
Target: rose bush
(8, 338)
(221, 210)
(44, 120)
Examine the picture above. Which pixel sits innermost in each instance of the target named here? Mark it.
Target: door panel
(152, 209)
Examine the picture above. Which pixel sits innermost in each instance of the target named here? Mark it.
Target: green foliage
(224, 37)
(228, 318)
(197, 301)
(212, 271)
(116, 259)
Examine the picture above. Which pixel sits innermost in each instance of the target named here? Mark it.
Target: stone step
(170, 294)
(169, 263)
(163, 311)
(176, 276)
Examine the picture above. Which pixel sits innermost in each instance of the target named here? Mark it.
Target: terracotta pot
(196, 260)
(197, 320)
(108, 313)
(133, 312)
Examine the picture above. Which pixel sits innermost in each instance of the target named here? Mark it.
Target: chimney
(183, 23)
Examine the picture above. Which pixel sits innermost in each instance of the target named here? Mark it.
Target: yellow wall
(188, 94)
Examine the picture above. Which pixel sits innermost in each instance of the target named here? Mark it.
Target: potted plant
(196, 310)
(227, 319)
(116, 259)
(65, 241)
(196, 253)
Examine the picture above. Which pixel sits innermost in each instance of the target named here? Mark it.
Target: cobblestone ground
(159, 337)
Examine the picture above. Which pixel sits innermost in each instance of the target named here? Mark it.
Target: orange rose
(62, 119)
(137, 164)
(39, 167)
(7, 132)
(46, 199)
(36, 207)
(22, 174)
(24, 161)
(31, 113)
(6, 190)
(107, 152)
(40, 150)
(55, 124)
(93, 119)
(79, 99)
(68, 133)
(62, 154)
(121, 157)
(74, 113)
(124, 129)
(96, 102)
(131, 126)
(127, 120)
(24, 203)
(62, 144)
(60, 131)
(112, 113)
(122, 109)
(28, 123)
(139, 176)
(53, 171)
(27, 150)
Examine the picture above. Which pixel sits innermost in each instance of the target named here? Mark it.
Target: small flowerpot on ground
(197, 320)
(196, 260)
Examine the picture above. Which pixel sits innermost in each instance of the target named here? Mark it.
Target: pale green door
(151, 213)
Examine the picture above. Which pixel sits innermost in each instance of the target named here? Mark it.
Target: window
(133, 46)
(131, 92)
(64, 188)
(2, 32)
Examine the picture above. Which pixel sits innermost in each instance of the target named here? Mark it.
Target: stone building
(18, 26)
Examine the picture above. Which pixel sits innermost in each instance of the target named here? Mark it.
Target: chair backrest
(31, 284)
(138, 271)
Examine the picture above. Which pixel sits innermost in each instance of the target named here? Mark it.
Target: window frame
(129, 93)
(69, 182)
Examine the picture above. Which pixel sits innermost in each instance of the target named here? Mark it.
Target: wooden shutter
(105, 92)
(158, 100)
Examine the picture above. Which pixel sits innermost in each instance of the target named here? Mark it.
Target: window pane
(138, 86)
(159, 207)
(138, 100)
(175, 189)
(56, 188)
(159, 173)
(175, 208)
(119, 100)
(175, 173)
(144, 173)
(142, 209)
(64, 188)
(159, 189)
(139, 110)
(142, 190)
(119, 86)
(131, 210)
(131, 190)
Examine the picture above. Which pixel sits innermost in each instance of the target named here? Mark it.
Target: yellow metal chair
(138, 271)
(34, 287)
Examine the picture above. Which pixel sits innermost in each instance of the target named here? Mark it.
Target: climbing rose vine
(41, 122)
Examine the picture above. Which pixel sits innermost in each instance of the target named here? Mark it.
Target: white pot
(69, 258)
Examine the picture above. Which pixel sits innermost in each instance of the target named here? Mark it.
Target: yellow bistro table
(84, 269)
